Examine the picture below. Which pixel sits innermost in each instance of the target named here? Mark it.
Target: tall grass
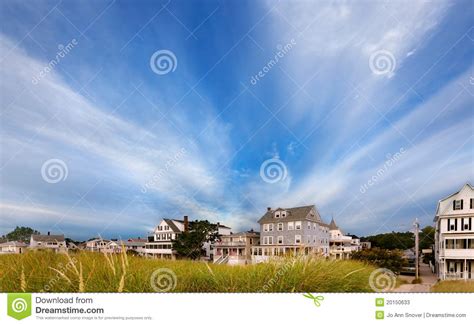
(42, 271)
(453, 286)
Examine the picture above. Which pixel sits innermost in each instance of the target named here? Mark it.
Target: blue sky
(364, 109)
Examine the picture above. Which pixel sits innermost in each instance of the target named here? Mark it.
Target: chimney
(49, 233)
(186, 224)
(269, 209)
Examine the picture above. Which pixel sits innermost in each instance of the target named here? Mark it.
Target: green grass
(453, 286)
(42, 271)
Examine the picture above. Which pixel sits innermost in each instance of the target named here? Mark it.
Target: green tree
(393, 240)
(390, 259)
(21, 234)
(427, 237)
(190, 243)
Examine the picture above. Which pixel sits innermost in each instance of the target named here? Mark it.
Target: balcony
(234, 243)
(456, 253)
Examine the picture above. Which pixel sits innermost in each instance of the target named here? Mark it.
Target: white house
(52, 242)
(160, 242)
(340, 245)
(13, 247)
(454, 236)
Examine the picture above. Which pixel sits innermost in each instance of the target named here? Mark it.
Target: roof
(13, 243)
(449, 196)
(294, 214)
(47, 237)
(244, 233)
(172, 226)
(353, 236)
(332, 225)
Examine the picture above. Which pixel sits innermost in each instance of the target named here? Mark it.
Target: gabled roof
(294, 214)
(52, 238)
(467, 185)
(172, 226)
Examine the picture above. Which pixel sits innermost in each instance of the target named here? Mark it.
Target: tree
(21, 234)
(393, 240)
(190, 243)
(427, 237)
(390, 259)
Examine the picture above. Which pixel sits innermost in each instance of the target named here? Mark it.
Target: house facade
(53, 242)
(236, 249)
(13, 247)
(454, 236)
(340, 245)
(291, 231)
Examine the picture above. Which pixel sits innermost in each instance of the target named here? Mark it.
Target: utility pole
(417, 227)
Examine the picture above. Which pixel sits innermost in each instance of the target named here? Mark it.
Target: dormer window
(458, 204)
(277, 214)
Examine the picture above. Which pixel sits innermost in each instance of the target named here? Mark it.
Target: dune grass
(453, 286)
(42, 271)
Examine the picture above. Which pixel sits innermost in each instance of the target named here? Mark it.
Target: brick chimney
(49, 233)
(186, 223)
(269, 209)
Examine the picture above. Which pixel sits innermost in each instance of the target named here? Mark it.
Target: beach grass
(453, 286)
(43, 271)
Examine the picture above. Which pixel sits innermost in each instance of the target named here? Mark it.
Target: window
(280, 227)
(270, 227)
(265, 227)
(309, 225)
(280, 240)
(472, 204)
(297, 239)
(291, 225)
(458, 204)
(470, 243)
(265, 240)
(277, 214)
(449, 243)
(270, 240)
(297, 225)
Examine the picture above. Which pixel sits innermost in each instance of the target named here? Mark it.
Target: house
(366, 245)
(355, 243)
(298, 230)
(52, 242)
(13, 247)
(236, 249)
(454, 235)
(340, 245)
(160, 242)
(96, 245)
